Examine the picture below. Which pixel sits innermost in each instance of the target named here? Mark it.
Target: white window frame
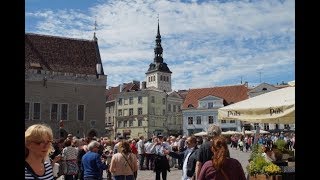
(57, 112)
(34, 112)
(198, 119)
(125, 123)
(84, 111)
(209, 120)
(61, 111)
(120, 112)
(190, 118)
(130, 111)
(119, 124)
(29, 110)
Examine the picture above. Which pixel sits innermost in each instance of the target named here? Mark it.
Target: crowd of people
(244, 142)
(88, 158)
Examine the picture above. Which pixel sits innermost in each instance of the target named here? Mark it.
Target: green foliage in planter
(287, 151)
(281, 144)
(256, 150)
(257, 164)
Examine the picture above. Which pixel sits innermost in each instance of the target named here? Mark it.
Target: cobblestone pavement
(175, 174)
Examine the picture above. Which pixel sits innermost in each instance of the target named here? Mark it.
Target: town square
(160, 89)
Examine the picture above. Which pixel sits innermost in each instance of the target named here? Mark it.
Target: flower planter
(265, 177)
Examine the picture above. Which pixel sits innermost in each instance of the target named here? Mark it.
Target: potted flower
(272, 170)
(261, 169)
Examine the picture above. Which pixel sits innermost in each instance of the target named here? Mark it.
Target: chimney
(246, 83)
(120, 87)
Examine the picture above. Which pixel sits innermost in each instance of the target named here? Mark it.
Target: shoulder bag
(134, 172)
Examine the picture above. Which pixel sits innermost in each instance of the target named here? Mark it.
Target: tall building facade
(153, 108)
(64, 85)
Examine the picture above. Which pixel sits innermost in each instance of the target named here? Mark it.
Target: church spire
(95, 28)
(158, 35)
(158, 49)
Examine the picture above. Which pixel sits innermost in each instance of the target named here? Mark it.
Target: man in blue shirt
(91, 162)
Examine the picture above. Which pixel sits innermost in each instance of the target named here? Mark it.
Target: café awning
(273, 107)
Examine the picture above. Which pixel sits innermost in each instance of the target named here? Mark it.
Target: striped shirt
(48, 174)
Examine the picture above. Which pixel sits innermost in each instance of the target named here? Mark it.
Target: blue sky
(205, 43)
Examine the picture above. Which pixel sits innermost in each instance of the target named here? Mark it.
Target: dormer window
(35, 65)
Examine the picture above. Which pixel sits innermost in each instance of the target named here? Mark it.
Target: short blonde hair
(37, 132)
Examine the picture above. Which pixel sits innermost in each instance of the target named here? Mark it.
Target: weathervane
(95, 28)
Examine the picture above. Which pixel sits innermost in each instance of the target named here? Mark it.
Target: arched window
(264, 89)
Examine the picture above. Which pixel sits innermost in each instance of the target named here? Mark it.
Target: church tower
(158, 75)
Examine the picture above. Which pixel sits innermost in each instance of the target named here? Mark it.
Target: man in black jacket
(205, 152)
(189, 157)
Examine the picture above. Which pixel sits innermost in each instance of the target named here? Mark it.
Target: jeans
(123, 177)
(141, 161)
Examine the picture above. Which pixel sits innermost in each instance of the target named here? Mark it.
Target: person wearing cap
(161, 163)
(204, 152)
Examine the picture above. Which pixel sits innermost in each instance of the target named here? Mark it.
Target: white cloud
(205, 44)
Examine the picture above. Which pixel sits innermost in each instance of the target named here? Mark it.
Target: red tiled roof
(230, 94)
(113, 91)
(130, 87)
(61, 54)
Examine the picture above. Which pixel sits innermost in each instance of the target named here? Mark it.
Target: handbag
(134, 172)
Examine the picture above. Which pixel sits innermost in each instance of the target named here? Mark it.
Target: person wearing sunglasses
(38, 146)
